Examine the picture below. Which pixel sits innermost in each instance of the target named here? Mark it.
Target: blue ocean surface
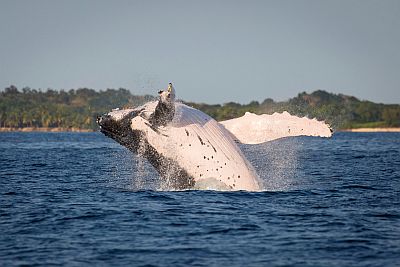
(82, 199)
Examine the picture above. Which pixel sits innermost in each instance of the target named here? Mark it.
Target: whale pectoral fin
(163, 114)
(165, 109)
(256, 129)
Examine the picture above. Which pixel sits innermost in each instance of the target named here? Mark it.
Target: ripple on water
(77, 199)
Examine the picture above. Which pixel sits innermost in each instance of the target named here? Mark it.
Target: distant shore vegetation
(78, 108)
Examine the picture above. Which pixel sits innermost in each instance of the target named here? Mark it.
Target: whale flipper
(255, 129)
(165, 109)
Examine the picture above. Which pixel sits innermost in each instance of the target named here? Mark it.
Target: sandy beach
(371, 130)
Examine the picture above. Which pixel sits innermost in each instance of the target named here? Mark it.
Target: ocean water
(81, 199)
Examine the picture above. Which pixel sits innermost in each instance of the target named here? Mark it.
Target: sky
(213, 51)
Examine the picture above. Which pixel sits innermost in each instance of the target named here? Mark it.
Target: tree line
(65, 109)
(79, 108)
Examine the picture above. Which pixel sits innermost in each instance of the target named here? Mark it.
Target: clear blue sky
(213, 51)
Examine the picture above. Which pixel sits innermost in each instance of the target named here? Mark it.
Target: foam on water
(211, 184)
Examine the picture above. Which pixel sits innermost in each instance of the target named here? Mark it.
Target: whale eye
(160, 92)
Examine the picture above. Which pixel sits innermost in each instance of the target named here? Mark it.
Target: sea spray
(276, 163)
(138, 178)
(132, 172)
(122, 169)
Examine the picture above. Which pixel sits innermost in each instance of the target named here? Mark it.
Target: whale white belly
(203, 148)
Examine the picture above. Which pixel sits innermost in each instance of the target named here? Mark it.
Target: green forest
(78, 108)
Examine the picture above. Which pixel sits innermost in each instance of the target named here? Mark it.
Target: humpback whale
(190, 149)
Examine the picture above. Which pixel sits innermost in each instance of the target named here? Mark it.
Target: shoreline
(372, 130)
(79, 130)
(45, 129)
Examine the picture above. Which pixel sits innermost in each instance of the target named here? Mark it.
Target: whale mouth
(107, 125)
(120, 129)
(108, 133)
(116, 122)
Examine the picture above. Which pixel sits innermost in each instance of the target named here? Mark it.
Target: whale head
(117, 125)
(130, 127)
(126, 125)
